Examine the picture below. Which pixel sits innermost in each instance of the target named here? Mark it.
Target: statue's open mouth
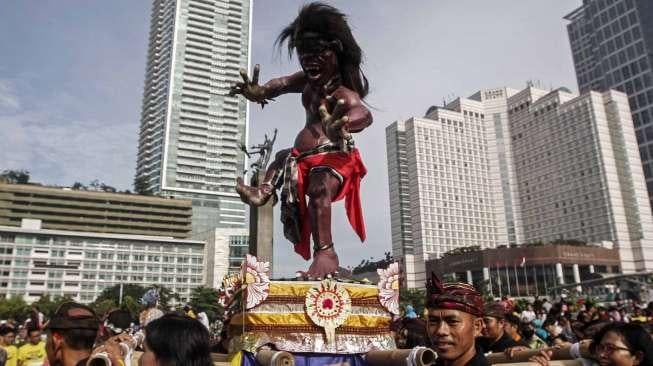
(313, 71)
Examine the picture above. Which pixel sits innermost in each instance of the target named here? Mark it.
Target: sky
(72, 73)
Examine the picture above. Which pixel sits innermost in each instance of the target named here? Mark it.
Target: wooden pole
(267, 357)
(423, 357)
(565, 353)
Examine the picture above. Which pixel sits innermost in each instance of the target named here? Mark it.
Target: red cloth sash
(350, 167)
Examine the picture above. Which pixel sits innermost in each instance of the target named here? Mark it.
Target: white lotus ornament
(255, 281)
(389, 287)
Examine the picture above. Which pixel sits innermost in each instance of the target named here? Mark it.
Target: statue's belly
(310, 137)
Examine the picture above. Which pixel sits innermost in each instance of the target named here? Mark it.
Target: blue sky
(71, 82)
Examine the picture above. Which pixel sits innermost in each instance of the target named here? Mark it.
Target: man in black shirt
(454, 320)
(494, 338)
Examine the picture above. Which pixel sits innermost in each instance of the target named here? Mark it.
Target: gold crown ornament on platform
(328, 305)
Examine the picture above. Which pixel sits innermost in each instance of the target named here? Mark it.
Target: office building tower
(191, 129)
(506, 167)
(612, 48)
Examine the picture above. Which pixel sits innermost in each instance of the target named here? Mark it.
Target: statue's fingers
(324, 114)
(338, 123)
(243, 74)
(235, 89)
(257, 70)
(339, 109)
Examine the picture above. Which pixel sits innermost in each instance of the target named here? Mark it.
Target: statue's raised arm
(261, 94)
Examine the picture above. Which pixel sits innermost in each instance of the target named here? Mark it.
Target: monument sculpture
(323, 164)
(261, 217)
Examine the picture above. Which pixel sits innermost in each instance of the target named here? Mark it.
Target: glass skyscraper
(191, 129)
(612, 46)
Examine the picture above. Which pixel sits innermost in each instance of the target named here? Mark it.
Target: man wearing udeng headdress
(454, 320)
(323, 163)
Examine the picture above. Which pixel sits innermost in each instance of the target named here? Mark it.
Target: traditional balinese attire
(457, 296)
(347, 166)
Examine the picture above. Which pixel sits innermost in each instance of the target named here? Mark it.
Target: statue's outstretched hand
(250, 89)
(335, 122)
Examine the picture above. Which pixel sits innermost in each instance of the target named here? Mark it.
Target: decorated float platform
(309, 322)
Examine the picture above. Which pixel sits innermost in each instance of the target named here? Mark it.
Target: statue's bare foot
(253, 196)
(325, 262)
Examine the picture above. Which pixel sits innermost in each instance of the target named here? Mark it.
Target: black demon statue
(323, 164)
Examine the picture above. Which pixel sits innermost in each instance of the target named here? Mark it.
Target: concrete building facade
(507, 167)
(528, 270)
(100, 212)
(226, 250)
(612, 48)
(191, 129)
(80, 265)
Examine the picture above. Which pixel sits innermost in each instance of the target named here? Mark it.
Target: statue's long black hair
(329, 22)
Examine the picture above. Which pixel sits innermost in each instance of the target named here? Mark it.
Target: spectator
(174, 340)
(116, 321)
(616, 344)
(410, 312)
(7, 339)
(453, 321)
(494, 338)
(528, 315)
(71, 334)
(511, 327)
(623, 344)
(32, 353)
(189, 312)
(529, 336)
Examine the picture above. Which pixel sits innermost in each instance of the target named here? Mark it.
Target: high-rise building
(191, 129)
(612, 48)
(442, 189)
(508, 167)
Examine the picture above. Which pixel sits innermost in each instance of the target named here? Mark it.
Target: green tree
(15, 176)
(132, 305)
(103, 306)
(206, 299)
(129, 289)
(13, 307)
(414, 297)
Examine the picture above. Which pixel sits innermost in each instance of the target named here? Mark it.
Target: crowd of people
(75, 334)
(457, 324)
(463, 329)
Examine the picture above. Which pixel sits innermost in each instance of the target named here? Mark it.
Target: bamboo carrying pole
(423, 357)
(551, 363)
(268, 357)
(565, 353)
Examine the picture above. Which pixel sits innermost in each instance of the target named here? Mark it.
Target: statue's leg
(258, 196)
(323, 186)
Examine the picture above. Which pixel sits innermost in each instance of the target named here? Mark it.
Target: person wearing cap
(7, 339)
(454, 320)
(32, 353)
(71, 334)
(494, 338)
(116, 321)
